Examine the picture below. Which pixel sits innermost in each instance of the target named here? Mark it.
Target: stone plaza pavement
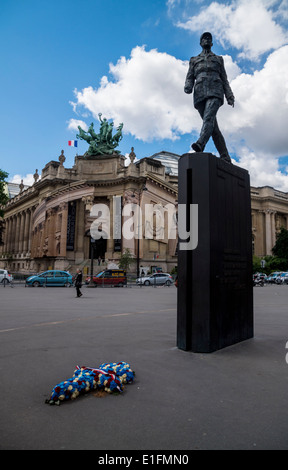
(235, 398)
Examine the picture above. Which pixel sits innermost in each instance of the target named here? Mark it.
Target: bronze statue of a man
(208, 77)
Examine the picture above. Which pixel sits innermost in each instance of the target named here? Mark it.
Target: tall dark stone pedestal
(215, 291)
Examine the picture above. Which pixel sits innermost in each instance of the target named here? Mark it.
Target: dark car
(110, 277)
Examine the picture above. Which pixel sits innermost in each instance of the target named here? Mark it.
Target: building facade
(48, 225)
(269, 214)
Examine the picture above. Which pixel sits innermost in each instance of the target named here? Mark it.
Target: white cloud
(247, 25)
(256, 129)
(145, 93)
(74, 123)
(260, 115)
(231, 67)
(263, 169)
(28, 180)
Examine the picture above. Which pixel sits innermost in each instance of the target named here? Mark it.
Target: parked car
(272, 277)
(50, 278)
(155, 279)
(263, 275)
(281, 278)
(111, 277)
(5, 277)
(259, 278)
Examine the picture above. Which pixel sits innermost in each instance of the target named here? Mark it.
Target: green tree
(3, 196)
(126, 260)
(273, 263)
(257, 264)
(3, 199)
(280, 248)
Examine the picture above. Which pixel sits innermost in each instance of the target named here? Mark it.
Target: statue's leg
(219, 142)
(207, 110)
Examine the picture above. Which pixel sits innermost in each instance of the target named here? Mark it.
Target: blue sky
(63, 62)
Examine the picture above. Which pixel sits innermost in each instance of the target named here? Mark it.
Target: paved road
(235, 398)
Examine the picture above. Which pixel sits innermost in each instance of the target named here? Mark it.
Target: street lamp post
(138, 255)
(92, 241)
(138, 230)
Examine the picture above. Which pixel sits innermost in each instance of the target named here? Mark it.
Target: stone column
(64, 209)
(31, 211)
(13, 234)
(110, 241)
(36, 241)
(268, 234)
(273, 228)
(26, 231)
(51, 233)
(88, 204)
(80, 231)
(6, 236)
(17, 233)
(21, 231)
(128, 243)
(9, 234)
(40, 239)
(45, 236)
(33, 242)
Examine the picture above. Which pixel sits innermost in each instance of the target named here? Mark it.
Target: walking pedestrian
(78, 283)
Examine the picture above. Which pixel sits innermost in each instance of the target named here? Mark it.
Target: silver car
(5, 277)
(155, 279)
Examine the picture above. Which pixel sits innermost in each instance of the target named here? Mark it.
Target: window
(48, 274)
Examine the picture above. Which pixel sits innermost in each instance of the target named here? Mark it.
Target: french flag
(73, 143)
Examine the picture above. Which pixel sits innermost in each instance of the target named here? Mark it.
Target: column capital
(88, 201)
(63, 206)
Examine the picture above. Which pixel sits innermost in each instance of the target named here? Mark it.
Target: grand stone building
(47, 225)
(269, 214)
